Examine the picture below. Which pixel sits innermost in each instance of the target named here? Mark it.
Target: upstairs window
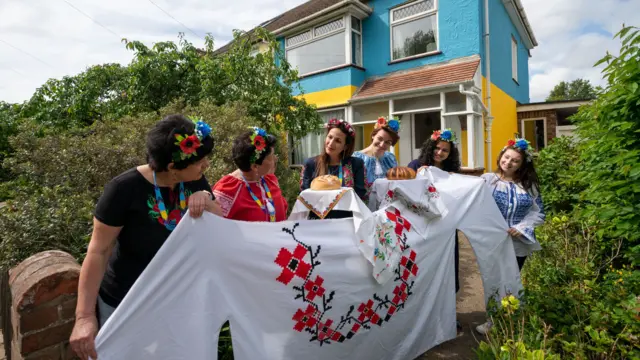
(318, 48)
(356, 41)
(514, 59)
(414, 29)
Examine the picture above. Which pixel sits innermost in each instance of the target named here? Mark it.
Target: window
(414, 29)
(319, 48)
(356, 41)
(514, 58)
(311, 145)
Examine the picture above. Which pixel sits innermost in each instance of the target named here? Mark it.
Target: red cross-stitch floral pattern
(314, 319)
(292, 264)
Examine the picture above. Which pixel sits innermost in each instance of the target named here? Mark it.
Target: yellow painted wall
(505, 122)
(330, 97)
(462, 140)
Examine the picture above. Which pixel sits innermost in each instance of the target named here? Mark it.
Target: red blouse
(237, 203)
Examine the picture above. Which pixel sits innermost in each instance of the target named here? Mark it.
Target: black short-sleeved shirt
(129, 201)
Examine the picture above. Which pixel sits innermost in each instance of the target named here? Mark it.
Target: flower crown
(393, 124)
(520, 144)
(189, 144)
(444, 135)
(336, 123)
(259, 142)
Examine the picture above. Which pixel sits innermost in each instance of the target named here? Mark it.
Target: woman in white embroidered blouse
(517, 194)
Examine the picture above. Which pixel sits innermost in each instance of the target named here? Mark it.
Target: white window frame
(319, 111)
(433, 12)
(544, 127)
(346, 29)
(359, 32)
(514, 58)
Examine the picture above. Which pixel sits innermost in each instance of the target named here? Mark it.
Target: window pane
(421, 102)
(299, 38)
(329, 27)
(318, 55)
(311, 145)
(415, 37)
(356, 49)
(355, 23)
(417, 8)
(534, 132)
(455, 102)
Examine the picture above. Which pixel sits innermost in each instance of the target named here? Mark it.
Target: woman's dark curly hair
(243, 150)
(450, 164)
(161, 143)
(526, 175)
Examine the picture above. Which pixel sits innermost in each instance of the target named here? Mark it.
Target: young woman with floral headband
(377, 158)
(336, 159)
(516, 191)
(252, 192)
(440, 150)
(136, 213)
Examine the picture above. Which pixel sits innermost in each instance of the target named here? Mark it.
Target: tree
(578, 89)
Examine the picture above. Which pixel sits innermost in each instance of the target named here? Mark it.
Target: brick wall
(551, 119)
(44, 291)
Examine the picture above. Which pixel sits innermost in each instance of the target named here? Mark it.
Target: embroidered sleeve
(226, 195)
(534, 217)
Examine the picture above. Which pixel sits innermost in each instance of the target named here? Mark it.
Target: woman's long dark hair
(526, 175)
(450, 164)
(322, 160)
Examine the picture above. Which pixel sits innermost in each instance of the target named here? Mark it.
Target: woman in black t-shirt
(136, 214)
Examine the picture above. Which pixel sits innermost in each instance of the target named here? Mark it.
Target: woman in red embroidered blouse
(252, 192)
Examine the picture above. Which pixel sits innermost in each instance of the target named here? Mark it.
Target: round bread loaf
(326, 182)
(401, 173)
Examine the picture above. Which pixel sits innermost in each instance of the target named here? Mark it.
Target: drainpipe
(487, 71)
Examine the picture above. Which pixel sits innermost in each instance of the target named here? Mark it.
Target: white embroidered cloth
(302, 290)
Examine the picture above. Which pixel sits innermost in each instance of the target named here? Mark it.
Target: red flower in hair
(511, 142)
(190, 144)
(435, 135)
(381, 121)
(259, 143)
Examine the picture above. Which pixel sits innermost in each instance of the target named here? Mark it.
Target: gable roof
(416, 79)
(289, 17)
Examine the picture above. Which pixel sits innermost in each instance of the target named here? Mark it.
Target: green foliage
(609, 152)
(60, 175)
(555, 167)
(582, 291)
(578, 89)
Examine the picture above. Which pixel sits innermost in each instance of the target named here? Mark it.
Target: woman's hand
(515, 233)
(422, 168)
(83, 337)
(198, 203)
(214, 207)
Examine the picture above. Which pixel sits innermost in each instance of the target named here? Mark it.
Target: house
(542, 122)
(425, 62)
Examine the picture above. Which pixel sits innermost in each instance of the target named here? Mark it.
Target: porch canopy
(427, 98)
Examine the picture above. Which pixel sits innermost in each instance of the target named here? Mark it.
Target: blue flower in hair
(522, 144)
(203, 129)
(394, 125)
(259, 131)
(446, 135)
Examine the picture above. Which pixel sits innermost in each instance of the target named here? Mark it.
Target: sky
(42, 39)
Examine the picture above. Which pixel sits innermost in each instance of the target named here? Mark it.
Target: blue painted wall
(501, 29)
(458, 30)
(332, 79)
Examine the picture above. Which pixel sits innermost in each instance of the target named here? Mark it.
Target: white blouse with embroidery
(521, 209)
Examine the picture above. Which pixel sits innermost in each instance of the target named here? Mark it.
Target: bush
(59, 176)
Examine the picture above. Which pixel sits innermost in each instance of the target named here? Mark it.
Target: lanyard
(271, 211)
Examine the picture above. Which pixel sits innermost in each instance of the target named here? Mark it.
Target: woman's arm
(94, 265)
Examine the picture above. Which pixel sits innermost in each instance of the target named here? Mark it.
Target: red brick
(47, 337)
(39, 318)
(50, 353)
(68, 309)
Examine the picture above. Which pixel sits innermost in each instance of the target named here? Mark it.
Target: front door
(423, 125)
